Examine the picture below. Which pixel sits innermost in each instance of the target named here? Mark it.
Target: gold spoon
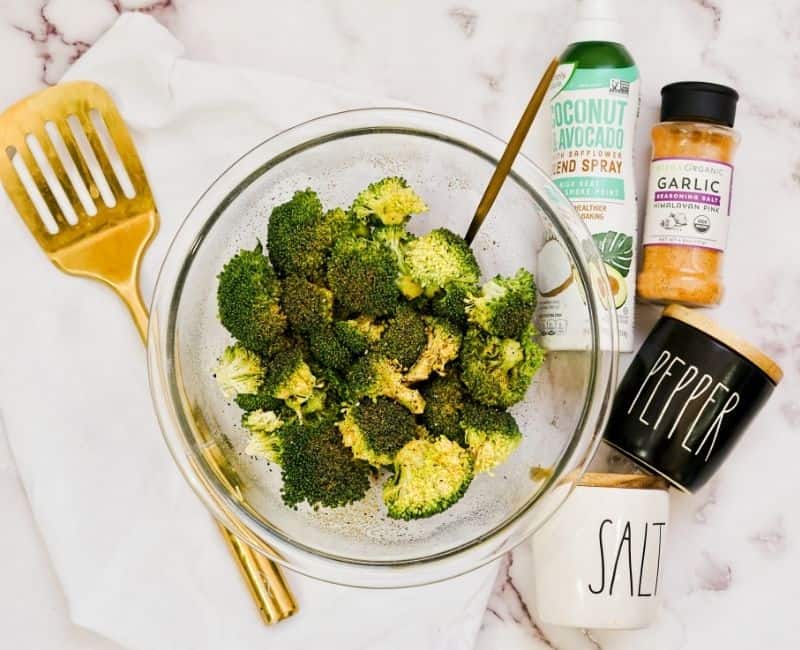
(511, 151)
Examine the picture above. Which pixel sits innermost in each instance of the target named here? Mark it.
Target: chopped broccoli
(395, 238)
(443, 344)
(239, 371)
(429, 477)
(374, 375)
(248, 300)
(496, 371)
(359, 333)
(265, 441)
(389, 201)
(318, 468)
(307, 305)
(331, 382)
(376, 431)
(404, 338)
(328, 349)
(299, 236)
(491, 435)
(290, 379)
(452, 302)
(261, 400)
(349, 328)
(343, 223)
(444, 400)
(361, 274)
(439, 258)
(504, 307)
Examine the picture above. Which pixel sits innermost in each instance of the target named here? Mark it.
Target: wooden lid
(630, 481)
(705, 324)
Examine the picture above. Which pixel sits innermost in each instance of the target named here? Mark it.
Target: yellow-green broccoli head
(374, 376)
(239, 371)
(498, 371)
(248, 301)
(357, 334)
(442, 346)
(265, 441)
(404, 338)
(440, 258)
(389, 201)
(395, 239)
(376, 430)
(504, 306)
(307, 306)
(492, 435)
(290, 379)
(362, 274)
(429, 477)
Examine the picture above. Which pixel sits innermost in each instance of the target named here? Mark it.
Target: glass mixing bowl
(449, 163)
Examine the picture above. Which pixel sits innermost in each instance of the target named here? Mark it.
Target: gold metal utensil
(72, 171)
(510, 152)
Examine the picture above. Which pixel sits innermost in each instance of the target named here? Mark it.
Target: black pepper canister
(688, 396)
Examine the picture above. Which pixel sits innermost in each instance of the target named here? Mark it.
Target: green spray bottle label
(593, 115)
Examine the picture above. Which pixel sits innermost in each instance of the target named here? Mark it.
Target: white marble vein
(732, 563)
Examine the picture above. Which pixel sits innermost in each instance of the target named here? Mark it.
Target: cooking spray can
(594, 104)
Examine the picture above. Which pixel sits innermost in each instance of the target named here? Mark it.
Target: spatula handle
(262, 576)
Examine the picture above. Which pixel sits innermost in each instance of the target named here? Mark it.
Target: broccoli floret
(439, 258)
(344, 223)
(265, 441)
(444, 400)
(504, 307)
(358, 334)
(258, 401)
(404, 338)
(239, 371)
(361, 274)
(318, 468)
(299, 236)
(389, 201)
(429, 477)
(290, 379)
(307, 305)
(248, 300)
(497, 371)
(331, 382)
(442, 346)
(376, 431)
(395, 238)
(328, 349)
(452, 303)
(374, 376)
(491, 435)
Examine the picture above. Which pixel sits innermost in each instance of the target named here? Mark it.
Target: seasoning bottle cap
(698, 101)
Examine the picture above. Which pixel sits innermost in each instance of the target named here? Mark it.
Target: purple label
(692, 197)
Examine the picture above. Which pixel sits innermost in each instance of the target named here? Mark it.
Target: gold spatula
(72, 171)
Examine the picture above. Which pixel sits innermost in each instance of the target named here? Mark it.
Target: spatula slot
(25, 177)
(91, 161)
(51, 179)
(111, 152)
(71, 169)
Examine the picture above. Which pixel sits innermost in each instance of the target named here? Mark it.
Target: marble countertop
(732, 561)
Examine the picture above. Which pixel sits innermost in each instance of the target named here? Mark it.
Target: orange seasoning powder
(689, 194)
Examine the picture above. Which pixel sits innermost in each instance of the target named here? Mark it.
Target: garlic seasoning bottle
(689, 195)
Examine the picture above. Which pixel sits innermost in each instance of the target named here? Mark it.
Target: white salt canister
(597, 562)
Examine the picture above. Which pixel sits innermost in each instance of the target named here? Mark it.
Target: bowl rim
(171, 411)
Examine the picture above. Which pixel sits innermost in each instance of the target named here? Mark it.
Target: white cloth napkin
(139, 558)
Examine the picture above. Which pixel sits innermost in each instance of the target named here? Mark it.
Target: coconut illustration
(554, 269)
